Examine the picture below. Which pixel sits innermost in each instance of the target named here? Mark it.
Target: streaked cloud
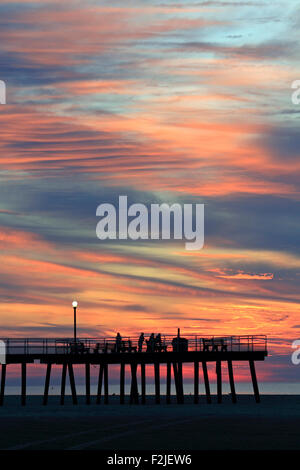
(164, 102)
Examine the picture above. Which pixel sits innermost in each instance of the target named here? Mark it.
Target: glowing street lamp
(74, 304)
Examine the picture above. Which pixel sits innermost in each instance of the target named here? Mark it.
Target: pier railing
(131, 345)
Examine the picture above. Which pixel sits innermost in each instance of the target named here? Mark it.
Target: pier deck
(170, 350)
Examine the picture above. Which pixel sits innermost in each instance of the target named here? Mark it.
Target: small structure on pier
(174, 352)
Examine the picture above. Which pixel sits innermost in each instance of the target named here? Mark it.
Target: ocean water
(266, 388)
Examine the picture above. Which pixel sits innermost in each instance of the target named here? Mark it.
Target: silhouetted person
(157, 343)
(151, 343)
(141, 341)
(118, 342)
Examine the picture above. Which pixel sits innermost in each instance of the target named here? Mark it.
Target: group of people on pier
(154, 344)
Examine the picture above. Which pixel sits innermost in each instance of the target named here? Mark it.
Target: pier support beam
(231, 381)
(196, 382)
(219, 381)
(134, 394)
(180, 382)
(143, 382)
(177, 368)
(157, 382)
(206, 382)
(3, 377)
(175, 372)
(47, 382)
(87, 384)
(122, 383)
(168, 391)
(100, 380)
(254, 381)
(23, 386)
(63, 384)
(105, 384)
(72, 383)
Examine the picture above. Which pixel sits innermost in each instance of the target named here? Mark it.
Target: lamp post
(74, 304)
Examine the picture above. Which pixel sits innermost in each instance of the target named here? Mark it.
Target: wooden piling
(254, 381)
(3, 378)
(168, 385)
(175, 372)
(23, 385)
(219, 381)
(100, 380)
(177, 368)
(106, 384)
(72, 383)
(231, 381)
(157, 382)
(87, 384)
(63, 383)
(122, 383)
(143, 382)
(47, 382)
(134, 394)
(196, 382)
(206, 382)
(180, 382)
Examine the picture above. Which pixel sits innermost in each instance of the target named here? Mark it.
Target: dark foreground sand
(272, 424)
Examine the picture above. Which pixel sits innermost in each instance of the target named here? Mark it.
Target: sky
(162, 101)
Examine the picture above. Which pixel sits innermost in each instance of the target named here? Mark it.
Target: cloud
(283, 144)
(248, 276)
(163, 102)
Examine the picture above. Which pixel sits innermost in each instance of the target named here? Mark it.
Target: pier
(172, 351)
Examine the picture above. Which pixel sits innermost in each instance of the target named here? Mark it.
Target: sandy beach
(272, 424)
